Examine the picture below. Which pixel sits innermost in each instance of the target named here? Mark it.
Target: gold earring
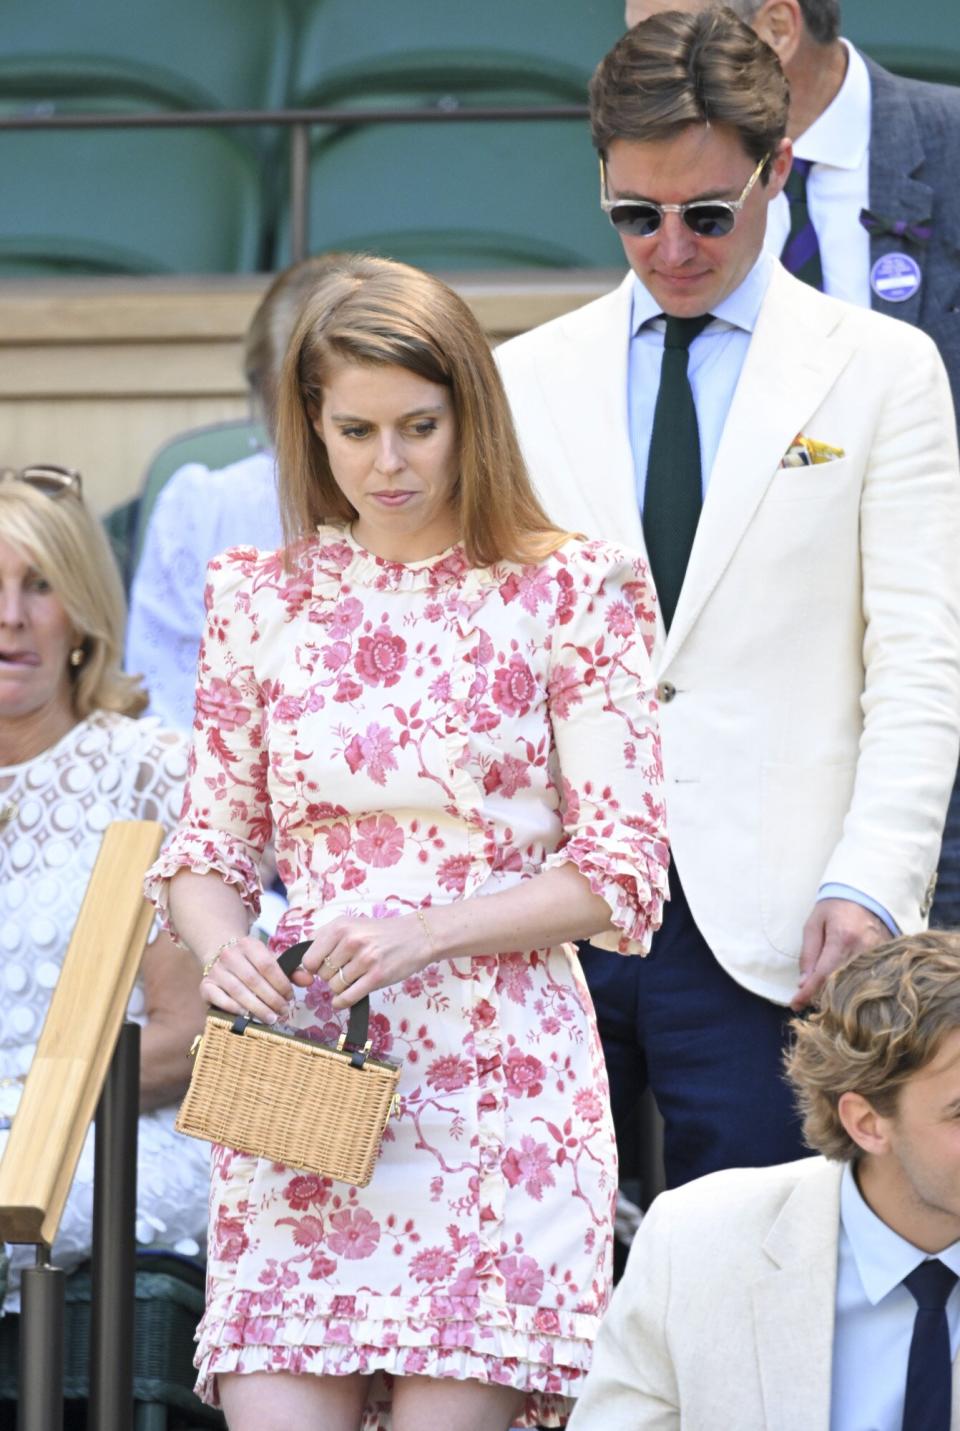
(77, 656)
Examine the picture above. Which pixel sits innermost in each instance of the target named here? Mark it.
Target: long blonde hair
(375, 312)
(70, 550)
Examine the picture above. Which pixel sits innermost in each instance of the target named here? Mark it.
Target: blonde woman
(73, 757)
(439, 705)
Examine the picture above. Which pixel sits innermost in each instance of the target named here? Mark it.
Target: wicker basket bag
(317, 1106)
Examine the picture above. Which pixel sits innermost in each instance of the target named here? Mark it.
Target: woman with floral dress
(439, 705)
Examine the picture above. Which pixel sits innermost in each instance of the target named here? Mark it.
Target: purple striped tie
(801, 252)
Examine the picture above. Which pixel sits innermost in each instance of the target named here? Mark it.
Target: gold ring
(344, 986)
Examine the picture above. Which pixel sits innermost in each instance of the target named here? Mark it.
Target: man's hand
(836, 931)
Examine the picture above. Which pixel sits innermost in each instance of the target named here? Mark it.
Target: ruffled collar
(341, 557)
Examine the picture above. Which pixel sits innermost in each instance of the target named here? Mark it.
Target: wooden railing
(63, 1088)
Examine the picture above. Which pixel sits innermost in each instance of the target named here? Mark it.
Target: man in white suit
(819, 1294)
(808, 656)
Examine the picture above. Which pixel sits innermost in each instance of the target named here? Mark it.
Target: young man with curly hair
(819, 1293)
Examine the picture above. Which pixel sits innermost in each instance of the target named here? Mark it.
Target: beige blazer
(810, 682)
(724, 1318)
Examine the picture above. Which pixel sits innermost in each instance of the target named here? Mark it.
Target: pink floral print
(379, 841)
(380, 658)
(411, 734)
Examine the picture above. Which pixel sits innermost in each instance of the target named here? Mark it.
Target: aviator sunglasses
(707, 218)
(47, 478)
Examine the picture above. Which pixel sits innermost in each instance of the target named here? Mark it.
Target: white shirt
(875, 1315)
(838, 187)
(198, 514)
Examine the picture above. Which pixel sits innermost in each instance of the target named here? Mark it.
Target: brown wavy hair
(272, 325)
(68, 547)
(881, 1018)
(375, 312)
(676, 70)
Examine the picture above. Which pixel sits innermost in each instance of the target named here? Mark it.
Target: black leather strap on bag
(358, 1026)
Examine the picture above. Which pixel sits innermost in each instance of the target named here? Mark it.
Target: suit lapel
(585, 378)
(795, 356)
(896, 154)
(794, 1304)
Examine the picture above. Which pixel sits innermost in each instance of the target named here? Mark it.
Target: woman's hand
(247, 979)
(357, 956)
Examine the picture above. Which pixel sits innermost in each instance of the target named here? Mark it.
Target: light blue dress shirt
(717, 356)
(716, 359)
(875, 1315)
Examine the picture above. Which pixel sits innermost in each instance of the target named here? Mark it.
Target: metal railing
(299, 122)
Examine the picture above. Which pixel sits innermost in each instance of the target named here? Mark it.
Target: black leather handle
(358, 1027)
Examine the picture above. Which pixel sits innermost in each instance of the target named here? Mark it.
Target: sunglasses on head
(707, 218)
(46, 477)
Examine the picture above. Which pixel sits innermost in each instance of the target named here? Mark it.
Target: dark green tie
(801, 252)
(673, 494)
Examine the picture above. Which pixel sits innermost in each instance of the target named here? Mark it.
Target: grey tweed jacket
(915, 176)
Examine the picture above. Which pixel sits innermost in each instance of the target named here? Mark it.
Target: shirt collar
(840, 136)
(882, 1256)
(740, 309)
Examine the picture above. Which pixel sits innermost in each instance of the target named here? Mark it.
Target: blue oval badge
(895, 277)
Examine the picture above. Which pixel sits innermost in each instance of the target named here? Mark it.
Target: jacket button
(666, 691)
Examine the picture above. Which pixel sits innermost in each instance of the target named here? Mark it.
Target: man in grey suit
(871, 213)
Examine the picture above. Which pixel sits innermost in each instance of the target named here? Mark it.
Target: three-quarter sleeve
(225, 822)
(604, 719)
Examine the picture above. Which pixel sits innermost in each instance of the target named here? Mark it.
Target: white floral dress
(417, 734)
(53, 812)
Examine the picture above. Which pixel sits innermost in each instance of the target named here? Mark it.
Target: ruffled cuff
(632, 878)
(203, 852)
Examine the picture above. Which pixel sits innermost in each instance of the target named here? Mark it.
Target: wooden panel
(85, 310)
(506, 307)
(78, 1036)
(110, 440)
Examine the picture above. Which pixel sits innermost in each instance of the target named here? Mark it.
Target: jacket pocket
(818, 483)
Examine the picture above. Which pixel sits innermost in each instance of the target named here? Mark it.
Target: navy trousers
(710, 1051)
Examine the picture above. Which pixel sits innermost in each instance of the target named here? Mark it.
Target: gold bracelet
(426, 928)
(222, 949)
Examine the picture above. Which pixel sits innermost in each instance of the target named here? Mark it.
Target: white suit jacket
(810, 682)
(725, 1314)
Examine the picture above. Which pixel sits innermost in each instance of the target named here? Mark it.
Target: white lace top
(53, 811)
